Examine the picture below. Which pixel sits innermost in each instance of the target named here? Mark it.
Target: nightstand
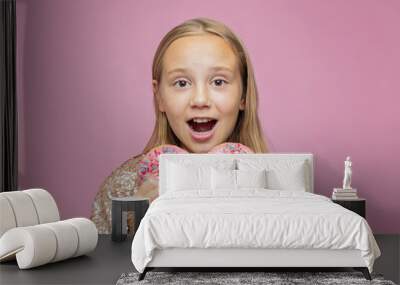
(119, 214)
(356, 205)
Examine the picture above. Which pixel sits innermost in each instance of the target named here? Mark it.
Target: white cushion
(7, 220)
(181, 177)
(40, 244)
(67, 237)
(236, 179)
(31, 246)
(26, 208)
(87, 233)
(251, 178)
(282, 174)
(45, 205)
(190, 161)
(23, 208)
(277, 181)
(223, 179)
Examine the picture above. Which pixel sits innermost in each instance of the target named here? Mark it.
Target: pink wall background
(328, 75)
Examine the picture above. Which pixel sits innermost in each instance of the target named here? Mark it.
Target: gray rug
(270, 278)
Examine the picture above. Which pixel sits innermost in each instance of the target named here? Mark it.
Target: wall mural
(205, 101)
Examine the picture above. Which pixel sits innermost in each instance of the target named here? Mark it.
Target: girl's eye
(219, 82)
(181, 83)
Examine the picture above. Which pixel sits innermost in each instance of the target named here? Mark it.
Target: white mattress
(250, 218)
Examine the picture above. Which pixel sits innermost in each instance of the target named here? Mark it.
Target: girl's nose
(200, 98)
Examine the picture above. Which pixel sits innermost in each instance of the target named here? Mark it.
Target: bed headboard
(195, 159)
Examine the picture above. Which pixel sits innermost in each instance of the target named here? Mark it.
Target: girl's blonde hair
(247, 130)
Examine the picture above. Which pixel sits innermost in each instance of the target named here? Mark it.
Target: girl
(205, 100)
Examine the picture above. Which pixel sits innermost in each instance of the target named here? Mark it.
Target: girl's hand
(231, 148)
(148, 188)
(149, 164)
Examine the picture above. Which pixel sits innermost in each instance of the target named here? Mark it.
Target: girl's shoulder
(131, 163)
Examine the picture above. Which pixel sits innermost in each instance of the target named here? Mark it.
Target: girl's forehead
(202, 51)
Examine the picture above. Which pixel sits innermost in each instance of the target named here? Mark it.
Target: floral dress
(138, 176)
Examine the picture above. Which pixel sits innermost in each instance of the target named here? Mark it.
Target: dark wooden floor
(110, 260)
(389, 262)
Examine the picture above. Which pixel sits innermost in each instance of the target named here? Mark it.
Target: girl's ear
(157, 94)
(242, 104)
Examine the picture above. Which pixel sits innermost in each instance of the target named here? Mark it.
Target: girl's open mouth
(201, 129)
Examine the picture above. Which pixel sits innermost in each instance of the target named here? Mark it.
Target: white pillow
(290, 179)
(182, 177)
(282, 174)
(251, 178)
(236, 179)
(223, 179)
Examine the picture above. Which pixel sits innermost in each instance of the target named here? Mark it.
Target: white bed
(218, 225)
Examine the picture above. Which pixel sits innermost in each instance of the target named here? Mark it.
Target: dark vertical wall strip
(8, 99)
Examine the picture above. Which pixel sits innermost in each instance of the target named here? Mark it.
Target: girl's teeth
(201, 120)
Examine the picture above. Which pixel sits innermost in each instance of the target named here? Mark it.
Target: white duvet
(251, 218)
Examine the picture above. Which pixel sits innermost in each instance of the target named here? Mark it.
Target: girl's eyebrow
(215, 68)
